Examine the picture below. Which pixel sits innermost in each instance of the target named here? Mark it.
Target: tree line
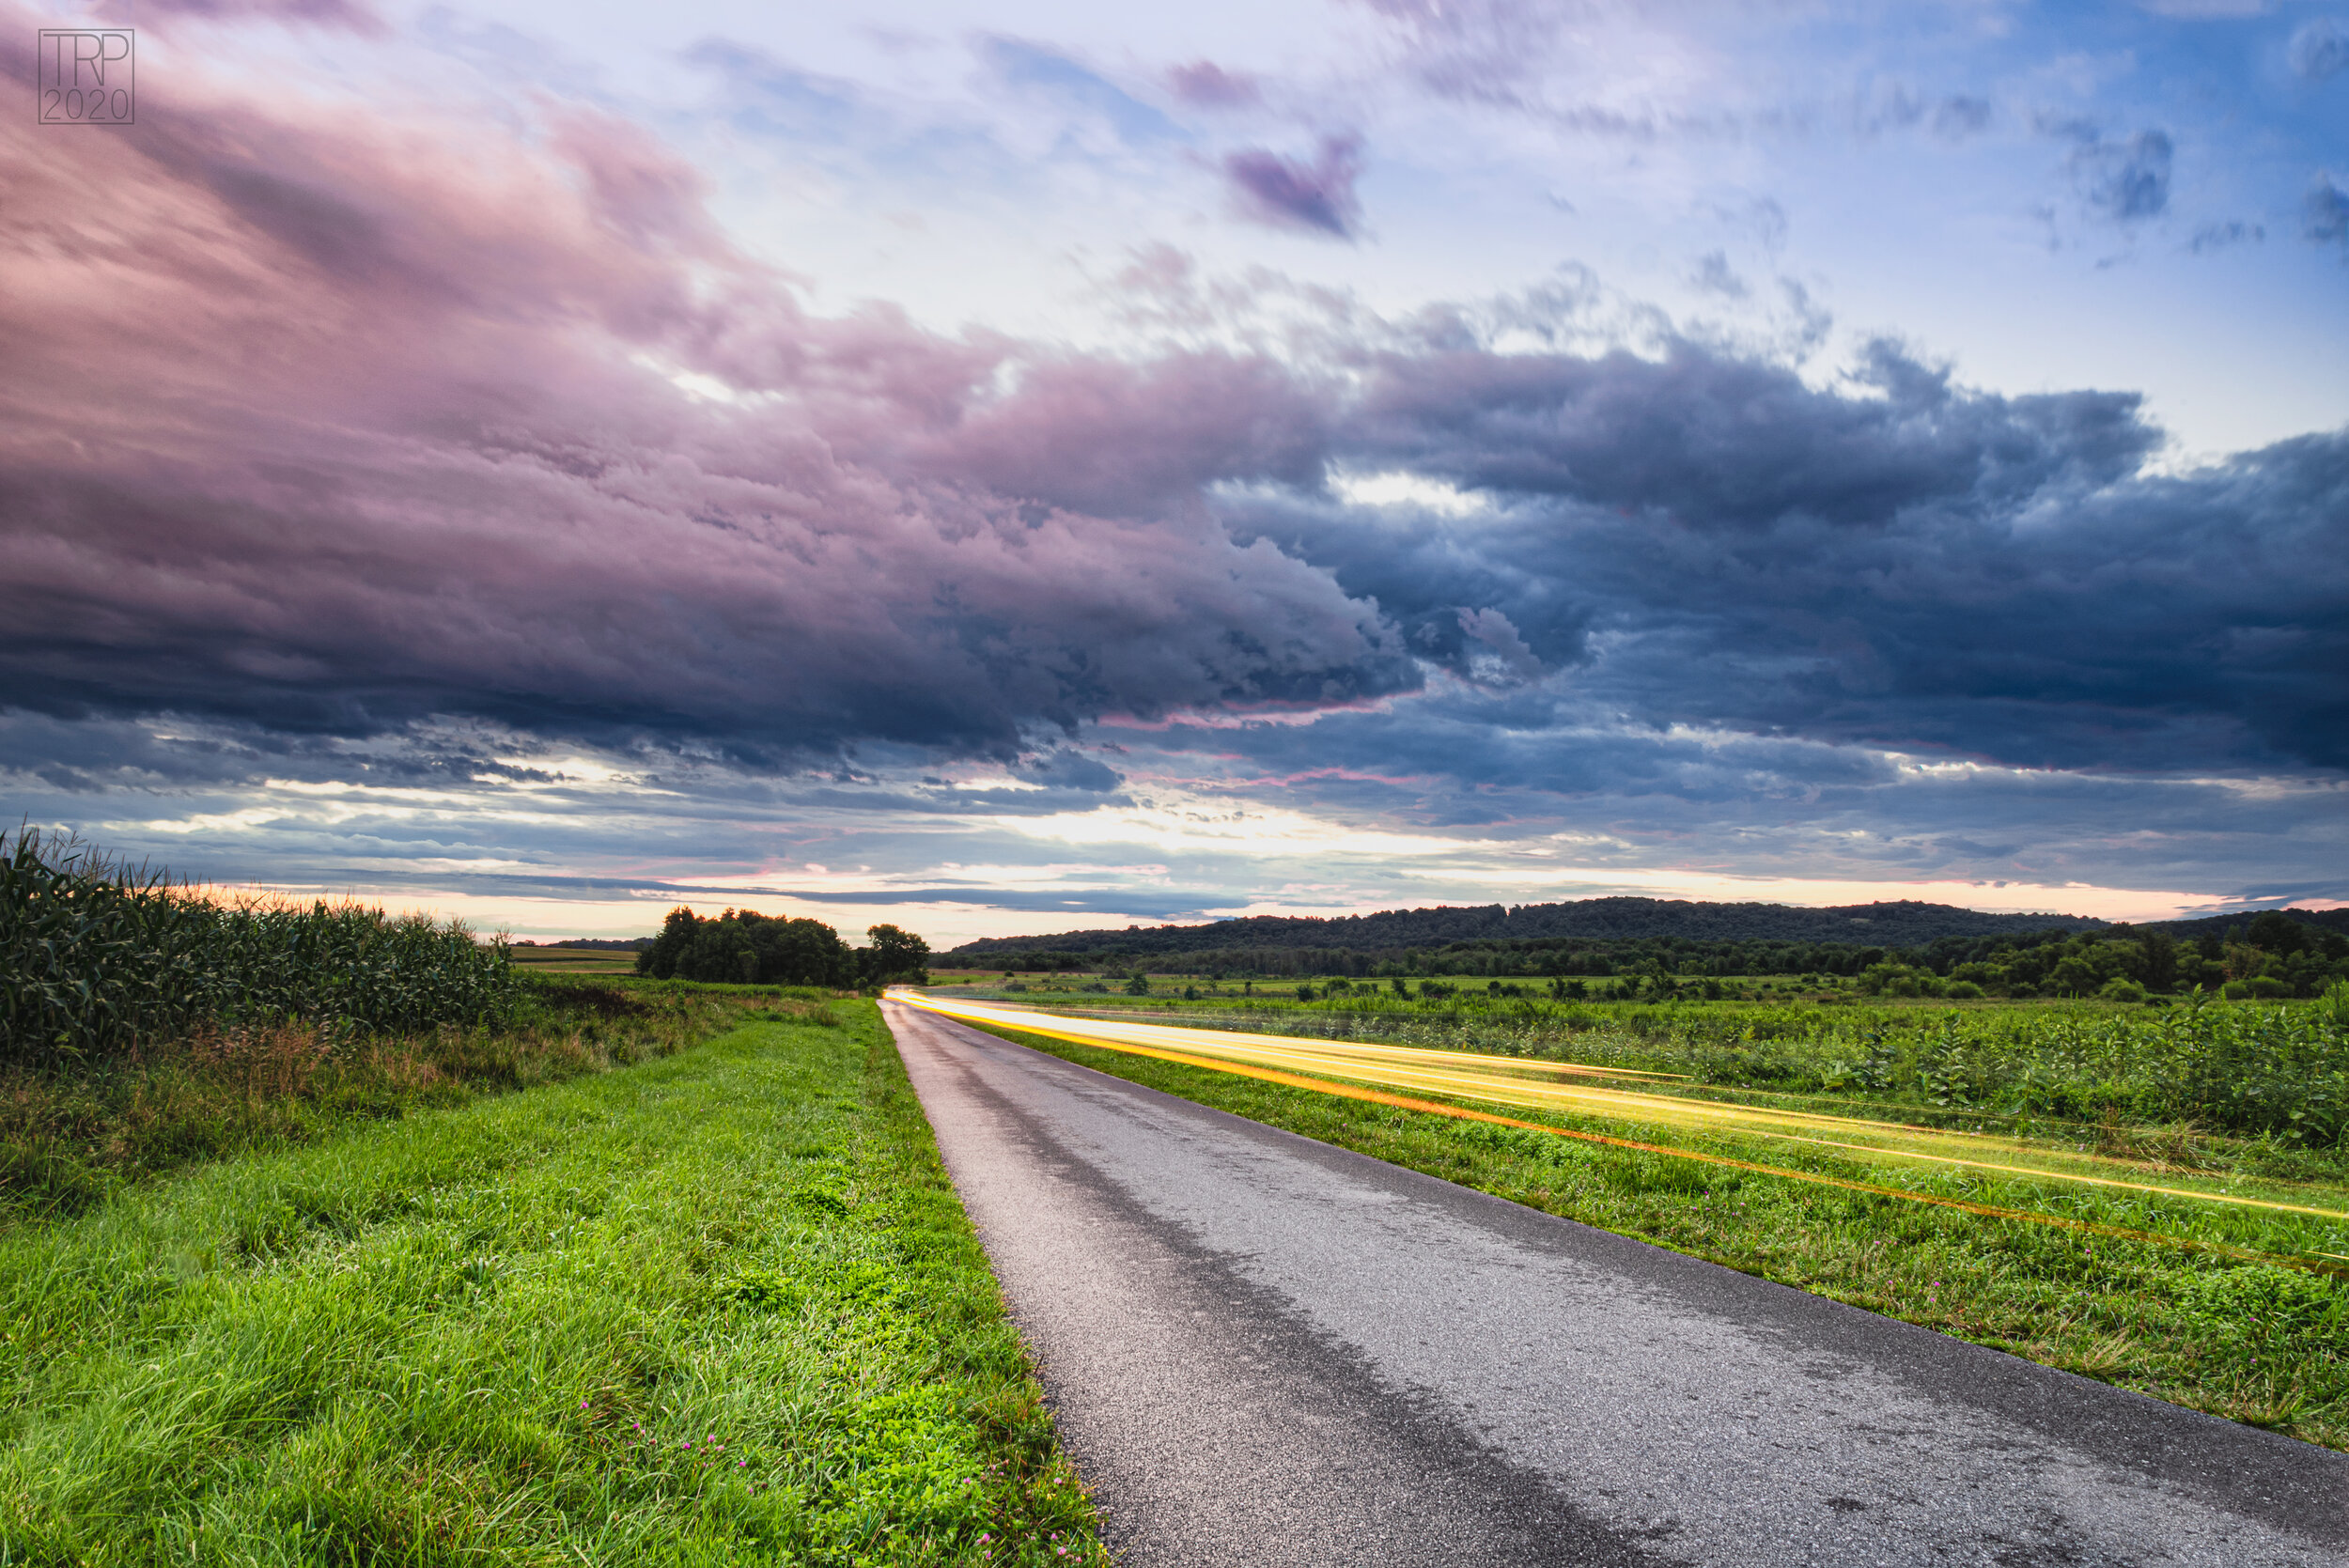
(2272, 954)
(746, 947)
(1904, 923)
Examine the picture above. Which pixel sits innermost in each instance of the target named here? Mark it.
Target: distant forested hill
(2233, 925)
(1905, 923)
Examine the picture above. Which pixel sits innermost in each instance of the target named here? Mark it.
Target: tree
(2279, 933)
(744, 947)
(660, 960)
(895, 958)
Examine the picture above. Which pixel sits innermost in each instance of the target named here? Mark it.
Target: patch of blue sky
(1061, 80)
(765, 97)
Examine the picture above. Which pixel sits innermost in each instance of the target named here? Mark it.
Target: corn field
(96, 955)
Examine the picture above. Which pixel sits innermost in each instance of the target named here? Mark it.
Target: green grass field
(2264, 1342)
(720, 1306)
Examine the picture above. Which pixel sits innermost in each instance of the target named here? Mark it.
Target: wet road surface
(1264, 1350)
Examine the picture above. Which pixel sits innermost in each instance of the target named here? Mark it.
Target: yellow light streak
(1565, 1088)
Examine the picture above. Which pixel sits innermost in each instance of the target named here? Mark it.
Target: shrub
(2121, 988)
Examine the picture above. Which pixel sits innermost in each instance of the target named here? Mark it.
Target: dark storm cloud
(1701, 437)
(343, 436)
(1067, 770)
(348, 443)
(1707, 541)
(1287, 192)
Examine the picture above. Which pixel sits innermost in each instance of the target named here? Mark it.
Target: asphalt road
(1264, 1350)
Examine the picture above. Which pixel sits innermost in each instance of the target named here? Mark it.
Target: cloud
(2325, 211)
(382, 453)
(1283, 192)
(1959, 116)
(2125, 181)
(2319, 50)
(1716, 276)
(333, 426)
(1067, 770)
(2219, 237)
(1707, 541)
(1891, 106)
(337, 15)
(1209, 85)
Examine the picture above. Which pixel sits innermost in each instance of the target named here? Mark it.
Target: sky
(1005, 466)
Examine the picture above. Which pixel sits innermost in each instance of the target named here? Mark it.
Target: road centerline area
(1262, 1349)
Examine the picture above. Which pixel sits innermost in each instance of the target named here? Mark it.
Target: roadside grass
(720, 1306)
(73, 1129)
(2258, 1089)
(2256, 1342)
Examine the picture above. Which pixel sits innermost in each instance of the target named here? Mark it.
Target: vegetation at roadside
(2257, 1341)
(75, 1128)
(2266, 1083)
(97, 956)
(721, 1306)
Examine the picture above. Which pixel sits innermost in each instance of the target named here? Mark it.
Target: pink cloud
(1209, 85)
(1287, 192)
(336, 422)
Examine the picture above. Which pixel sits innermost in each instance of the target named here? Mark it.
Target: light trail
(1564, 1088)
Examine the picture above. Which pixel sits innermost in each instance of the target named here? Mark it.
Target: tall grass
(97, 955)
(74, 1131)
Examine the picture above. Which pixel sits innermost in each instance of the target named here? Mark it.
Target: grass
(2271, 1079)
(2258, 1343)
(73, 1130)
(721, 1306)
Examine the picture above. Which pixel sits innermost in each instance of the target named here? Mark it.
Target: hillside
(1904, 924)
(2229, 926)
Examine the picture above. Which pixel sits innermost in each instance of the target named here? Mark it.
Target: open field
(2205, 1303)
(2264, 1082)
(572, 960)
(718, 1306)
